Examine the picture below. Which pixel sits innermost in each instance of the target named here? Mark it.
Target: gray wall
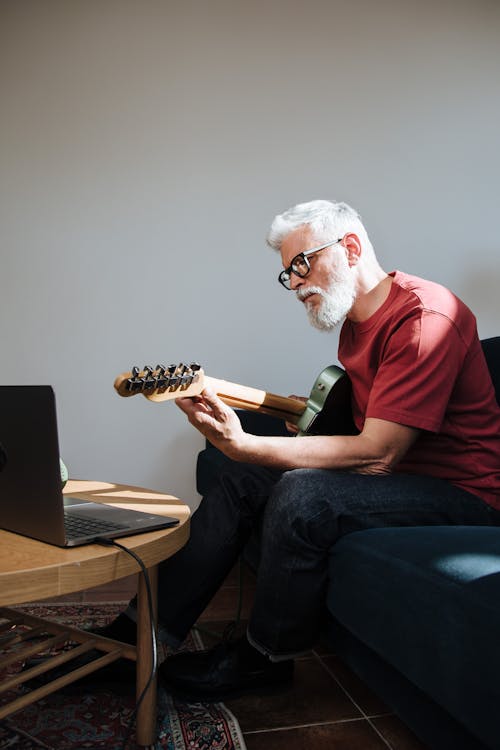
(146, 146)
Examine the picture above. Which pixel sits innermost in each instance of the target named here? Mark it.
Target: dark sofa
(415, 612)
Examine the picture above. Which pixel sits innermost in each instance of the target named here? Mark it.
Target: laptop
(31, 498)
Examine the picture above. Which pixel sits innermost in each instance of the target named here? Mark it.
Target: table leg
(146, 715)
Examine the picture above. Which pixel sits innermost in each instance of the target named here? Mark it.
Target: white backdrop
(146, 146)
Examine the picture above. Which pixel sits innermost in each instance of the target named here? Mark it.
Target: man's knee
(303, 494)
(301, 509)
(240, 489)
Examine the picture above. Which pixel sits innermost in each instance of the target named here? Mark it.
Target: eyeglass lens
(299, 265)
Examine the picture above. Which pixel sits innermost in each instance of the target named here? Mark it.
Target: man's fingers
(207, 404)
(215, 403)
(192, 405)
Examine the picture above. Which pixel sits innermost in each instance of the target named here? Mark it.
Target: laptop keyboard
(79, 526)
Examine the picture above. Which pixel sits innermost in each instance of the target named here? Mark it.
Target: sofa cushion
(427, 600)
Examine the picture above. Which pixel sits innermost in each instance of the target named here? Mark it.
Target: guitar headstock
(162, 382)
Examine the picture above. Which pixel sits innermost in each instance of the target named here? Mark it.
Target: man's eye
(299, 265)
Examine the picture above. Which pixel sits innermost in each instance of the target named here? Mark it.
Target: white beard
(336, 301)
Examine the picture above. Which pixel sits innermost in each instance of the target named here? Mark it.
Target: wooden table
(32, 571)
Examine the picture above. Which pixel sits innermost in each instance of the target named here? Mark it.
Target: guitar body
(327, 411)
(328, 408)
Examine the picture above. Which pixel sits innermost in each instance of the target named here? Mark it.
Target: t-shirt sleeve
(419, 367)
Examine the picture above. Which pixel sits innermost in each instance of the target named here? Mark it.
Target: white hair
(328, 220)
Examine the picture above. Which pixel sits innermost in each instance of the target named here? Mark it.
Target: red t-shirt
(418, 361)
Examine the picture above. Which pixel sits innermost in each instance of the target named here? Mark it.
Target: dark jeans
(301, 514)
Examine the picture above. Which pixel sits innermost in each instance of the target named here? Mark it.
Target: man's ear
(353, 248)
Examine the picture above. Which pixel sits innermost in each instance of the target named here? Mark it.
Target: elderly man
(427, 452)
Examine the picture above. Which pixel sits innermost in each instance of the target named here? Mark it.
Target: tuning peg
(195, 366)
(187, 375)
(161, 378)
(135, 383)
(171, 379)
(149, 378)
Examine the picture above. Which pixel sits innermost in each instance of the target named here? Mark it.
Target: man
(427, 452)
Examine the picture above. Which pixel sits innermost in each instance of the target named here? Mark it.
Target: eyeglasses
(300, 266)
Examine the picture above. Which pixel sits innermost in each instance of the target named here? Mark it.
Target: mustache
(302, 294)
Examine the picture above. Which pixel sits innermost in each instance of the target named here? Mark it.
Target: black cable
(154, 665)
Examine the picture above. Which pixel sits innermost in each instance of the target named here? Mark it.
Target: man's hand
(215, 420)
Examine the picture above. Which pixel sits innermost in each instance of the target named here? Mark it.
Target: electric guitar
(326, 412)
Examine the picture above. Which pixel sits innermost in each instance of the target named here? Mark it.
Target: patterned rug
(99, 719)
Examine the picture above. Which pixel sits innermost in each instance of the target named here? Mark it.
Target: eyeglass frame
(285, 275)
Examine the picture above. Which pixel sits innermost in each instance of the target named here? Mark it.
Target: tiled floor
(327, 708)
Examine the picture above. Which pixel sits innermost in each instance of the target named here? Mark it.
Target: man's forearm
(376, 450)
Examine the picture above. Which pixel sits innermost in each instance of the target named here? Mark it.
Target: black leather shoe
(230, 669)
(122, 628)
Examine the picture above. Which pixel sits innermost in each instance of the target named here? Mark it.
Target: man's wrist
(244, 448)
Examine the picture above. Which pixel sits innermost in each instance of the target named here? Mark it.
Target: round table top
(31, 570)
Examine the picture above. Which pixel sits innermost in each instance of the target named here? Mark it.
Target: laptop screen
(30, 480)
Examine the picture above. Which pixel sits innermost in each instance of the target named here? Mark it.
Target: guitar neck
(163, 384)
(253, 399)
(331, 391)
